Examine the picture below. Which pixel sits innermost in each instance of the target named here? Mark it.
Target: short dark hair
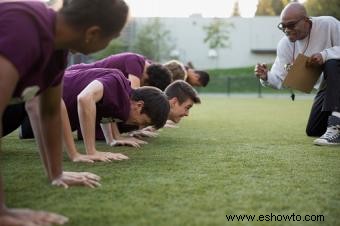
(182, 91)
(159, 76)
(156, 104)
(203, 77)
(109, 15)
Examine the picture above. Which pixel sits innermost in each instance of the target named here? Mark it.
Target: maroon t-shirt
(127, 63)
(27, 31)
(115, 103)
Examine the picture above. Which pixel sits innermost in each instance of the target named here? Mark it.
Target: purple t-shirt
(115, 103)
(27, 31)
(128, 63)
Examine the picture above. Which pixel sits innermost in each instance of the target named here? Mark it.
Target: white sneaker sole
(323, 142)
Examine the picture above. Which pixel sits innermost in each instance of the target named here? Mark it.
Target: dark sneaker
(332, 134)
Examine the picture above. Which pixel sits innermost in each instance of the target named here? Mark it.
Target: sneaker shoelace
(331, 133)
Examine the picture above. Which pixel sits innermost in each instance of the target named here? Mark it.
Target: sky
(185, 8)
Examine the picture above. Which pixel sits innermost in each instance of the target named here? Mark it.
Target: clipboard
(301, 77)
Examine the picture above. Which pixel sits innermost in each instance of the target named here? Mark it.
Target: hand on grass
(130, 141)
(27, 217)
(82, 158)
(149, 128)
(143, 133)
(170, 124)
(107, 156)
(146, 133)
(100, 157)
(86, 179)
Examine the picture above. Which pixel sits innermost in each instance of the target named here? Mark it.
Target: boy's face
(143, 120)
(136, 117)
(177, 110)
(193, 78)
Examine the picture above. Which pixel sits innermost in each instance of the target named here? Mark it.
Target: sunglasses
(289, 25)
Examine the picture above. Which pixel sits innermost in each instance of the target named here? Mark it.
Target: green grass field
(232, 156)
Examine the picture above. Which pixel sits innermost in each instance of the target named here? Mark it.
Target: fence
(238, 84)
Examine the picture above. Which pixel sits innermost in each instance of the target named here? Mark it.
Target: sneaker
(332, 134)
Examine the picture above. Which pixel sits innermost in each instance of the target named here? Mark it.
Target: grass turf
(231, 156)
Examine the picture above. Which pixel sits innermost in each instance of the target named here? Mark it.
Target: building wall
(252, 40)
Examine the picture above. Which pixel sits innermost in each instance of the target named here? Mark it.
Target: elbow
(32, 107)
(85, 103)
(82, 100)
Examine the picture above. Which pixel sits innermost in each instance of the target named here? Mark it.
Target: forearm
(115, 131)
(8, 79)
(71, 149)
(87, 116)
(32, 108)
(278, 73)
(331, 53)
(275, 76)
(51, 131)
(106, 128)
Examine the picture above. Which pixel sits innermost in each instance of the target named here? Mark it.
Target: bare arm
(87, 100)
(114, 138)
(106, 128)
(71, 148)
(32, 108)
(49, 110)
(120, 140)
(44, 114)
(8, 79)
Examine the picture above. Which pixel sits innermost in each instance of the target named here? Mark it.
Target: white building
(252, 40)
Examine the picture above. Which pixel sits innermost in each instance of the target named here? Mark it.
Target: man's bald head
(294, 22)
(293, 10)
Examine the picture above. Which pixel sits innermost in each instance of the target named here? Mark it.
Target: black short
(13, 117)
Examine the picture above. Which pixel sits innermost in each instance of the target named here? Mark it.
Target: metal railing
(238, 85)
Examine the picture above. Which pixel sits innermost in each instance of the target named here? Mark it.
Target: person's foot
(332, 135)
(27, 217)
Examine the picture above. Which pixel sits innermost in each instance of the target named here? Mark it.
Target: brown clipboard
(301, 77)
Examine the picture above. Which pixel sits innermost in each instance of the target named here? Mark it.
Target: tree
(270, 7)
(153, 41)
(236, 10)
(323, 8)
(279, 5)
(265, 8)
(217, 35)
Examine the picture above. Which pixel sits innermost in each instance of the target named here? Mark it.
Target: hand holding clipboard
(302, 75)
